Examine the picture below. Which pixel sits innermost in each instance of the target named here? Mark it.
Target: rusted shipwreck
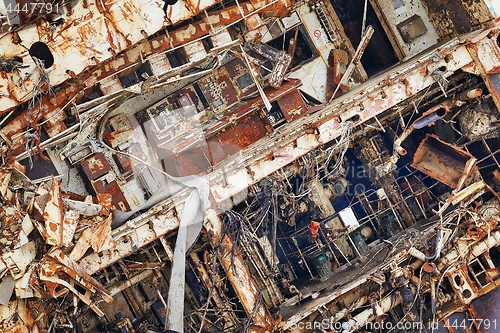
(249, 166)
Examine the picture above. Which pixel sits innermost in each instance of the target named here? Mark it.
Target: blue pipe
(429, 119)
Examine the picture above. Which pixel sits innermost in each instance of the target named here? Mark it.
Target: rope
(343, 143)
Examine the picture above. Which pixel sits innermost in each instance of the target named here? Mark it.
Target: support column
(239, 275)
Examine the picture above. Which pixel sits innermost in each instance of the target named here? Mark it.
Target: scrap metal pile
(43, 265)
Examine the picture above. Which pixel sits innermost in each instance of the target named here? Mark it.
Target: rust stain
(53, 226)
(193, 161)
(476, 232)
(250, 130)
(95, 166)
(292, 105)
(103, 185)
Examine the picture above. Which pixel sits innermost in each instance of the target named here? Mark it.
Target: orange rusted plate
(292, 105)
(441, 161)
(338, 60)
(95, 166)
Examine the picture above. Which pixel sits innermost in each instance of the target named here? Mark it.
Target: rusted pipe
(207, 281)
(493, 240)
(433, 296)
(413, 267)
(430, 268)
(377, 311)
(471, 94)
(136, 309)
(416, 264)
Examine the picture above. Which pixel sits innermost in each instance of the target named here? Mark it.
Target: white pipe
(493, 240)
(344, 312)
(366, 316)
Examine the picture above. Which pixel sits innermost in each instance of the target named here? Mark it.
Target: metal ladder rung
(324, 21)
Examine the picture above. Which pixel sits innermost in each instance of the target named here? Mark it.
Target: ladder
(320, 12)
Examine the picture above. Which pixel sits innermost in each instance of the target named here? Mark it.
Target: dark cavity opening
(41, 51)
